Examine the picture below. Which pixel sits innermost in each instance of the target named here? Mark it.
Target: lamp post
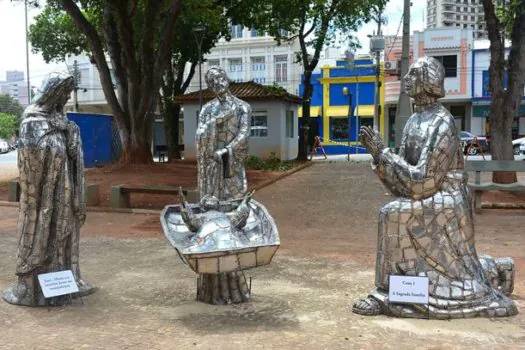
(198, 33)
(346, 91)
(350, 65)
(27, 57)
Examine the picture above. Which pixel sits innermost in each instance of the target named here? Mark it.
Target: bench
(90, 191)
(120, 194)
(479, 166)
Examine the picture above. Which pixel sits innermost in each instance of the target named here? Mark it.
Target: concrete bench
(479, 166)
(13, 192)
(120, 195)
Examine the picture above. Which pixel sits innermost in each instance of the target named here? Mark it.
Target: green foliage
(509, 14)
(10, 106)
(8, 125)
(272, 163)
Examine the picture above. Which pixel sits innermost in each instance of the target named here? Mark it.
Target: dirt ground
(174, 174)
(327, 218)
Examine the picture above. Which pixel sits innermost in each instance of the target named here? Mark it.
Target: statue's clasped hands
(219, 153)
(372, 141)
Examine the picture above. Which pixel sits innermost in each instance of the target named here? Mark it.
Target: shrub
(272, 163)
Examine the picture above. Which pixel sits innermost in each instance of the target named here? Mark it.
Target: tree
(11, 106)
(137, 36)
(55, 35)
(505, 100)
(315, 24)
(8, 125)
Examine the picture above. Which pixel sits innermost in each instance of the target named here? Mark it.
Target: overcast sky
(12, 36)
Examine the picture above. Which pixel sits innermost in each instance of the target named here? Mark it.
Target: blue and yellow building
(329, 111)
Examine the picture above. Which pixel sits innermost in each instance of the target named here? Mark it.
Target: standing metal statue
(52, 205)
(228, 231)
(428, 230)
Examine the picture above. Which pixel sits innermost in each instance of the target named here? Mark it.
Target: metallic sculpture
(52, 206)
(429, 230)
(228, 231)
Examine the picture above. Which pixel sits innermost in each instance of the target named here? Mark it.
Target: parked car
(467, 139)
(518, 146)
(4, 147)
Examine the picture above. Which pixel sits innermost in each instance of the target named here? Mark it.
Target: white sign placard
(57, 283)
(408, 289)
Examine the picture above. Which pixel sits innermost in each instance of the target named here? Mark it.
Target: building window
(213, 62)
(236, 31)
(259, 126)
(281, 68)
(235, 67)
(289, 124)
(338, 129)
(258, 70)
(451, 65)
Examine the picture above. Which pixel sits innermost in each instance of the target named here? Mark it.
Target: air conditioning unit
(390, 65)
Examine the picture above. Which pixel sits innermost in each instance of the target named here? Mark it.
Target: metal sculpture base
(223, 288)
(27, 292)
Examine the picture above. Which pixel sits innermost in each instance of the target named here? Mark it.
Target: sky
(13, 48)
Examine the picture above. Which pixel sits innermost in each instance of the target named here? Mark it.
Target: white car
(4, 147)
(518, 146)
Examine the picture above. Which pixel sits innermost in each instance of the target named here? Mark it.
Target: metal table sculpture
(228, 231)
(52, 205)
(428, 230)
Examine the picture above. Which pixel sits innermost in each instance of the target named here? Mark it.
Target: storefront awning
(315, 111)
(337, 111)
(363, 111)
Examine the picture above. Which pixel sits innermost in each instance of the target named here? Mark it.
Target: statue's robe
(429, 230)
(226, 178)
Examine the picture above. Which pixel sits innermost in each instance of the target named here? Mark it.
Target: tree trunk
(223, 288)
(171, 125)
(302, 153)
(138, 149)
(501, 146)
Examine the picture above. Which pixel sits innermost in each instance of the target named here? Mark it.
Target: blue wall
(317, 94)
(366, 94)
(96, 134)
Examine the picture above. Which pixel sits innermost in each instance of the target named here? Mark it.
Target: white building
(481, 99)
(464, 14)
(253, 56)
(15, 86)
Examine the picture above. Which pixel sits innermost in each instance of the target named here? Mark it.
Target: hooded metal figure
(52, 205)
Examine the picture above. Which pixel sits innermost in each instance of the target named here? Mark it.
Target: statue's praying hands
(372, 142)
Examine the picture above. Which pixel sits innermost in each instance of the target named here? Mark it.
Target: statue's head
(426, 77)
(54, 91)
(209, 202)
(217, 80)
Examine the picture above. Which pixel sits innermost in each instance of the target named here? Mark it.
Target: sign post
(408, 290)
(58, 283)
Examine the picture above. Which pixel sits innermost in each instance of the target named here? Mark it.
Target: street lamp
(198, 33)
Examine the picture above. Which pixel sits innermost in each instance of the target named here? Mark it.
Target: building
(481, 99)
(463, 14)
(274, 125)
(453, 47)
(331, 118)
(254, 56)
(15, 86)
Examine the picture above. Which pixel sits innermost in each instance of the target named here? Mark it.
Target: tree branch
(516, 61)
(497, 51)
(191, 73)
(97, 49)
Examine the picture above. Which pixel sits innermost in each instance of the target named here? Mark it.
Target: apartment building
(254, 56)
(464, 14)
(15, 86)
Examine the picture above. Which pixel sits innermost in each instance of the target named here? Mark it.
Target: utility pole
(404, 107)
(27, 58)
(76, 76)
(377, 44)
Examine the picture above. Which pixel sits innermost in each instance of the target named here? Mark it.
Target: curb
(157, 211)
(282, 176)
(502, 206)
